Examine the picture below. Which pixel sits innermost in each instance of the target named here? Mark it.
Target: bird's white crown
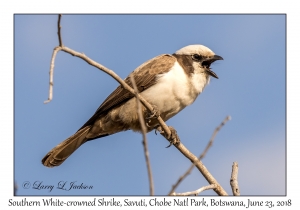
(195, 49)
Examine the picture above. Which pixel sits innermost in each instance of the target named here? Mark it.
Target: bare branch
(199, 165)
(196, 192)
(213, 136)
(144, 131)
(56, 49)
(167, 133)
(181, 178)
(58, 32)
(233, 181)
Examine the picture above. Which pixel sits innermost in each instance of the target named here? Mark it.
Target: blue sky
(251, 89)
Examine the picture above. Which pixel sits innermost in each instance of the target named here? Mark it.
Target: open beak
(208, 62)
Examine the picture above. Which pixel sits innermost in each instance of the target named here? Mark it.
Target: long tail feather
(62, 151)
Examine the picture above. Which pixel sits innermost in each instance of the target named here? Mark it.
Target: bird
(169, 82)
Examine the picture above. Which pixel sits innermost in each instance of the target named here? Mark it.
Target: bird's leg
(173, 138)
(153, 114)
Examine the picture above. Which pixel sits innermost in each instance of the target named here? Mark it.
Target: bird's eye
(196, 57)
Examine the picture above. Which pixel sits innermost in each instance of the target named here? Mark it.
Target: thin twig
(59, 29)
(199, 165)
(55, 51)
(213, 136)
(233, 180)
(196, 192)
(181, 178)
(144, 131)
(167, 133)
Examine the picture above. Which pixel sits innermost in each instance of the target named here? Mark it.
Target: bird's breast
(175, 90)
